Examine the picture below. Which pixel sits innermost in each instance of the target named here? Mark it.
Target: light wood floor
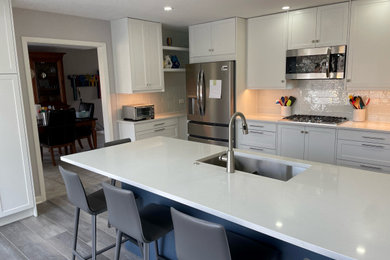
(50, 235)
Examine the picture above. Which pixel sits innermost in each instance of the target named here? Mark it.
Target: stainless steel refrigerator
(210, 101)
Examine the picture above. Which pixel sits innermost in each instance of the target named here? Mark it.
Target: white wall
(49, 25)
(81, 62)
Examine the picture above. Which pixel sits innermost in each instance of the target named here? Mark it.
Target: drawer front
(169, 131)
(155, 124)
(376, 154)
(364, 166)
(260, 126)
(257, 138)
(257, 149)
(363, 136)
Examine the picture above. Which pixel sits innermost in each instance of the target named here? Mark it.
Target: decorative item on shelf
(169, 41)
(359, 105)
(167, 62)
(175, 62)
(285, 105)
(85, 80)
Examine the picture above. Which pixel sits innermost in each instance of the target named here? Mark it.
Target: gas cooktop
(333, 120)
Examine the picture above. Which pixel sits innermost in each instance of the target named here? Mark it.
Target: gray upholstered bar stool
(199, 239)
(146, 225)
(116, 142)
(93, 204)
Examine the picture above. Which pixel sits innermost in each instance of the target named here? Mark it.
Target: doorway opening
(62, 75)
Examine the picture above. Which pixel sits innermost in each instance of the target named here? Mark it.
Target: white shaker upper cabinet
(7, 48)
(318, 27)
(16, 192)
(332, 25)
(266, 52)
(302, 28)
(215, 41)
(369, 53)
(137, 54)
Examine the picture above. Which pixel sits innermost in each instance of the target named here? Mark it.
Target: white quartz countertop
(156, 118)
(366, 125)
(340, 212)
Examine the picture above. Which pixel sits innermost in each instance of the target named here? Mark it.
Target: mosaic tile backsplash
(324, 97)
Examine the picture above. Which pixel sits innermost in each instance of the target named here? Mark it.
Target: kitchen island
(334, 211)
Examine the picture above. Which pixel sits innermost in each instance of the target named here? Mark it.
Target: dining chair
(60, 131)
(199, 239)
(85, 132)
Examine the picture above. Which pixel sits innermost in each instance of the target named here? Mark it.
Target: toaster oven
(138, 112)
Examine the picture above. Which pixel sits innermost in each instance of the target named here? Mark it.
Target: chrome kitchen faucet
(228, 157)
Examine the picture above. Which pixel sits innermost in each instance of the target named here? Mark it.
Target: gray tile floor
(49, 236)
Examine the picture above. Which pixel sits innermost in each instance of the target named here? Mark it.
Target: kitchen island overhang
(334, 211)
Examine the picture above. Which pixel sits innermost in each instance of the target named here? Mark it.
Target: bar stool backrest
(75, 190)
(123, 212)
(116, 142)
(198, 239)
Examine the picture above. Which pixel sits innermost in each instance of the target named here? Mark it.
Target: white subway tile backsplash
(324, 97)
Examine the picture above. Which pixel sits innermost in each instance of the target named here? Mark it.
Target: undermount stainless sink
(258, 166)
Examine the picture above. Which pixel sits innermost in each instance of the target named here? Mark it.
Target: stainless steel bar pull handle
(201, 93)
(198, 93)
(328, 52)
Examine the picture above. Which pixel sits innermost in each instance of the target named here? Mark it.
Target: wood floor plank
(43, 227)
(9, 250)
(28, 242)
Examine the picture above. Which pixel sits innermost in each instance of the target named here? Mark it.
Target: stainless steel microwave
(316, 63)
(138, 112)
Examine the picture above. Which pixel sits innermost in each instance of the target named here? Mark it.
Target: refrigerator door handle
(202, 101)
(198, 92)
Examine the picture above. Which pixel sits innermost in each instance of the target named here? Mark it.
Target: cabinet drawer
(260, 126)
(363, 136)
(257, 149)
(258, 138)
(155, 124)
(169, 131)
(376, 154)
(364, 166)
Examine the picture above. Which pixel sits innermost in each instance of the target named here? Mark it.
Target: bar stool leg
(76, 229)
(118, 244)
(93, 237)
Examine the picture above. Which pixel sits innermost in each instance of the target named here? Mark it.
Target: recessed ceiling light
(168, 8)
(286, 7)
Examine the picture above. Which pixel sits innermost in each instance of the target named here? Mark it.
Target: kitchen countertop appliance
(210, 101)
(316, 63)
(138, 112)
(315, 119)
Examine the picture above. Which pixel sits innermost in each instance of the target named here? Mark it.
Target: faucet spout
(230, 153)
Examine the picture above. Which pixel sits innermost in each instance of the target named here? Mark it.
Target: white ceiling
(186, 12)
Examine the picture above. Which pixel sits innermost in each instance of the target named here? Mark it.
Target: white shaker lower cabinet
(261, 137)
(308, 143)
(149, 128)
(365, 150)
(16, 193)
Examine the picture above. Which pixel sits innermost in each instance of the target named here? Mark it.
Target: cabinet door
(223, 37)
(332, 25)
(320, 144)
(137, 55)
(7, 48)
(200, 40)
(302, 28)
(369, 54)
(15, 178)
(266, 52)
(291, 141)
(153, 56)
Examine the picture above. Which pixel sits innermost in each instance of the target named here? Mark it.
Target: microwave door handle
(201, 90)
(328, 52)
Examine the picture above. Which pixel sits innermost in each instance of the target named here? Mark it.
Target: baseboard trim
(17, 216)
